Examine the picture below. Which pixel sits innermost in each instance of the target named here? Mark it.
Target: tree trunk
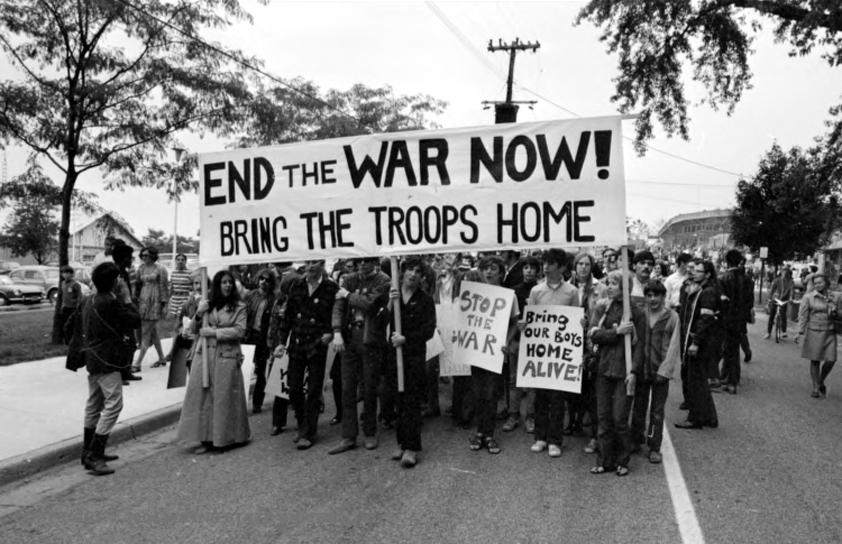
(63, 247)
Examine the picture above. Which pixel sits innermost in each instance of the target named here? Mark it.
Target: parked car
(8, 266)
(13, 292)
(46, 277)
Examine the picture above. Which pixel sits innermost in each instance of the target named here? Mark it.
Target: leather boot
(88, 437)
(96, 462)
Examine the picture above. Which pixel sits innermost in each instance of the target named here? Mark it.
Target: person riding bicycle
(782, 289)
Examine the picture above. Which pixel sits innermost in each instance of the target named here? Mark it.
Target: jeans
(517, 394)
(462, 399)
(307, 408)
(653, 435)
(370, 359)
(408, 428)
(485, 399)
(731, 358)
(431, 379)
(549, 416)
(105, 401)
(613, 407)
(702, 409)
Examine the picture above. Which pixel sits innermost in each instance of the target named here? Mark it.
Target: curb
(28, 464)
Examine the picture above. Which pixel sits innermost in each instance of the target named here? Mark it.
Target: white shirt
(673, 284)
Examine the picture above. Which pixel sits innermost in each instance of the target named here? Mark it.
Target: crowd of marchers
(690, 320)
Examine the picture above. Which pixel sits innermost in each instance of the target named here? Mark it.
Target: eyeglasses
(262, 278)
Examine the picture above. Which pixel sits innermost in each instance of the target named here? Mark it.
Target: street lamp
(179, 152)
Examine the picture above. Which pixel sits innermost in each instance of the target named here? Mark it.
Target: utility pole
(506, 112)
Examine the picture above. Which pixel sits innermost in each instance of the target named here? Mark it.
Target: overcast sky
(440, 49)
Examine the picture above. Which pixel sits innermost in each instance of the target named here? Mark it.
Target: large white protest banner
(482, 322)
(446, 322)
(513, 185)
(550, 354)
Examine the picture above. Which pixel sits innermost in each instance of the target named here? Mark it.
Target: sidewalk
(42, 411)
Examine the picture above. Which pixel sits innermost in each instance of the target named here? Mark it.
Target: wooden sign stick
(396, 284)
(205, 370)
(627, 339)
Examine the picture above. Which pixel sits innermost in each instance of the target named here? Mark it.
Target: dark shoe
(491, 445)
(388, 424)
(347, 444)
(687, 424)
(713, 383)
(655, 457)
(635, 448)
(304, 444)
(530, 425)
(126, 382)
(712, 424)
(256, 410)
(683, 406)
(510, 425)
(815, 394)
(159, 364)
(131, 377)
(397, 455)
(336, 420)
(371, 442)
(823, 390)
(431, 412)
(622, 471)
(276, 431)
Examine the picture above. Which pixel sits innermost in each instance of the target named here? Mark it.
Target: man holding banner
(307, 324)
(549, 403)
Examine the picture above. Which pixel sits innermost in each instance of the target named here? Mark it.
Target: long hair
(710, 269)
(217, 301)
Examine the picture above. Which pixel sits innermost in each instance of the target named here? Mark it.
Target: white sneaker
(555, 451)
(538, 446)
(766, 336)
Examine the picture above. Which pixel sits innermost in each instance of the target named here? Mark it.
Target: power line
(694, 203)
(463, 39)
(676, 184)
(242, 62)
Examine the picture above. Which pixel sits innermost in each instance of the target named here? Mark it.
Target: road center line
(685, 514)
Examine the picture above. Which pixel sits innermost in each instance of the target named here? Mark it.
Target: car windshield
(5, 280)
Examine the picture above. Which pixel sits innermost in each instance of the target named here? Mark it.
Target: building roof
(695, 216)
(117, 219)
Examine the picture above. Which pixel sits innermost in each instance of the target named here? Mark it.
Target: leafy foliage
(279, 115)
(788, 206)
(163, 242)
(657, 39)
(84, 102)
(31, 229)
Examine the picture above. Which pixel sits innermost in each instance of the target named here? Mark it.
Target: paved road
(766, 475)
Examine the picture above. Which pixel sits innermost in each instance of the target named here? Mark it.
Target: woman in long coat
(217, 416)
(816, 323)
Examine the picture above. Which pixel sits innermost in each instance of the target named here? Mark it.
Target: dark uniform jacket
(418, 323)
(363, 308)
(307, 317)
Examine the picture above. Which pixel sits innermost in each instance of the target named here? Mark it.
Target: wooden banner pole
(627, 339)
(205, 370)
(396, 284)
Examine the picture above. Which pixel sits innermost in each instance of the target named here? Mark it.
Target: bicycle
(780, 315)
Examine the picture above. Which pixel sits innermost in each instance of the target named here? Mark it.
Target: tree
(636, 229)
(280, 115)
(657, 39)
(31, 230)
(163, 242)
(83, 102)
(788, 206)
